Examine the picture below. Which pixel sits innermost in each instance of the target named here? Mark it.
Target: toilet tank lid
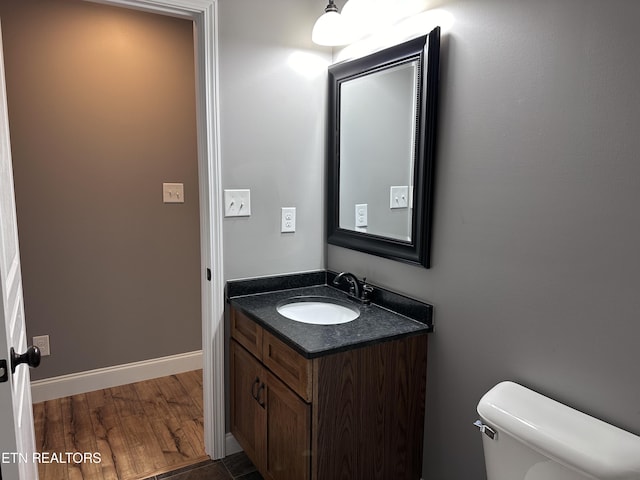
(561, 433)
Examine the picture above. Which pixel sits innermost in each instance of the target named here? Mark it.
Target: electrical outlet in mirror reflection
(361, 214)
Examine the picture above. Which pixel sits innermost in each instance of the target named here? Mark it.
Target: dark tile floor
(233, 467)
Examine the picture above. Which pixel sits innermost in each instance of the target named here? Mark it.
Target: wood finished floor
(141, 430)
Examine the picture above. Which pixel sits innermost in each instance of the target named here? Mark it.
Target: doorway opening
(207, 188)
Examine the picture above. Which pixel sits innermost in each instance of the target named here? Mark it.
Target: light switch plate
(173, 192)
(361, 214)
(399, 197)
(237, 203)
(288, 223)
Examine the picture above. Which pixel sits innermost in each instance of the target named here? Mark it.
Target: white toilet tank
(531, 437)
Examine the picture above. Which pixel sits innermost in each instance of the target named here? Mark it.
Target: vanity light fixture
(329, 29)
(364, 16)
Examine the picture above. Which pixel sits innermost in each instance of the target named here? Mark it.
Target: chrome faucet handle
(366, 291)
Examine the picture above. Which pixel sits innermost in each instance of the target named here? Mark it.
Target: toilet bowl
(528, 436)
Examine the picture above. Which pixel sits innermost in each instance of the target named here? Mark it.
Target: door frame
(204, 14)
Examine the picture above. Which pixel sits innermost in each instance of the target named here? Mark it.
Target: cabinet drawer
(292, 368)
(246, 332)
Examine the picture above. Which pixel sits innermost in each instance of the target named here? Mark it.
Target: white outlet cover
(399, 197)
(42, 342)
(237, 203)
(361, 214)
(288, 220)
(173, 192)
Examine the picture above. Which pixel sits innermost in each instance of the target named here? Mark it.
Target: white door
(17, 439)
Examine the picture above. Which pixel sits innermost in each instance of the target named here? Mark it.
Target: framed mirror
(382, 123)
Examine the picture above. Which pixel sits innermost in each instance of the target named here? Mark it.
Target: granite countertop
(375, 324)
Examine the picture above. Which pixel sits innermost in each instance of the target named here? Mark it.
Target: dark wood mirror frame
(425, 49)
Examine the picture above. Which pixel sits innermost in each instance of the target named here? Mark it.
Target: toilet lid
(549, 470)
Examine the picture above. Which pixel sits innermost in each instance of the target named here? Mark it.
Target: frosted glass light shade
(329, 30)
(352, 14)
(353, 8)
(364, 17)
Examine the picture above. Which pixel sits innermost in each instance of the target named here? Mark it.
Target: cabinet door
(288, 433)
(248, 417)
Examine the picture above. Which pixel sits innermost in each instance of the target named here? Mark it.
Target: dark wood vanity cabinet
(356, 414)
(268, 419)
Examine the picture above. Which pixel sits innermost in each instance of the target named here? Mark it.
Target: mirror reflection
(377, 149)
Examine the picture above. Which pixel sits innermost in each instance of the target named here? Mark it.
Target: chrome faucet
(355, 290)
(352, 280)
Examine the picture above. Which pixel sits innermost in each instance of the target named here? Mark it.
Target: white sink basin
(318, 310)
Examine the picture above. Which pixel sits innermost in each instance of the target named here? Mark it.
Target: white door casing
(204, 15)
(17, 439)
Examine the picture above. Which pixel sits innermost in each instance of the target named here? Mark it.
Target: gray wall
(273, 118)
(537, 226)
(272, 130)
(102, 112)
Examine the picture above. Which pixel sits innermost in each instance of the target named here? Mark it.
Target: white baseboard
(82, 382)
(231, 445)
